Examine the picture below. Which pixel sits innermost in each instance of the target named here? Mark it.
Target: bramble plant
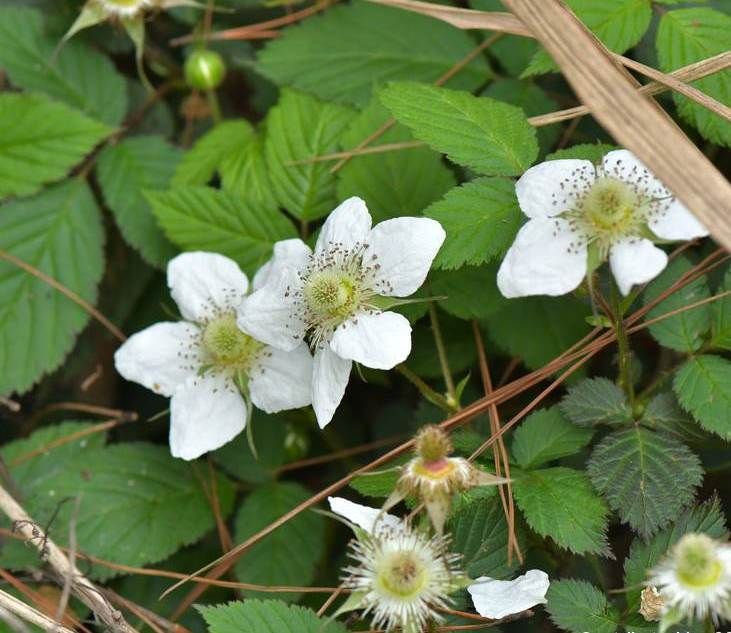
(359, 316)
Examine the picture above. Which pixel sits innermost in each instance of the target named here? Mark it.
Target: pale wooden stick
(29, 614)
(82, 587)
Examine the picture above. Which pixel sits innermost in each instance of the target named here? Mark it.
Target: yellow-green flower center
(402, 574)
(611, 208)
(331, 294)
(697, 564)
(228, 345)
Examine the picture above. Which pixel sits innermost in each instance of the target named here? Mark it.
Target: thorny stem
(432, 396)
(452, 400)
(625, 353)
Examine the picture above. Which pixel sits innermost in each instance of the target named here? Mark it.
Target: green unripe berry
(204, 70)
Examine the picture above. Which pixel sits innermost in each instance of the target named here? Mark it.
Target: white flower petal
(547, 189)
(381, 340)
(497, 599)
(625, 166)
(677, 223)
(269, 314)
(330, 375)
(363, 516)
(635, 261)
(543, 260)
(347, 224)
(292, 253)
(403, 249)
(282, 380)
(200, 283)
(205, 413)
(152, 357)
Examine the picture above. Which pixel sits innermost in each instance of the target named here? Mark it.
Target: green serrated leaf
(471, 292)
(138, 504)
(683, 332)
(646, 477)
(38, 325)
(125, 171)
(266, 616)
(40, 141)
(377, 484)
(721, 316)
(269, 432)
(481, 219)
(545, 436)
(706, 518)
(480, 534)
(561, 504)
(394, 183)
(201, 218)
(619, 24)
(559, 320)
(395, 45)
(298, 128)
(593, 152)
(200, 163)
(287, 556)
(78, 75)
(244, 173)
(578, 606)
(596, 401)
(685, 36)
(663, 413)
(488, 136)
(703, 388)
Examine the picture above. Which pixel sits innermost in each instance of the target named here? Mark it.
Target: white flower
(401, 576)
(499, 598)
(205, 362)
(333, 298)
(492, 598)
(581, 214)
(694, 579)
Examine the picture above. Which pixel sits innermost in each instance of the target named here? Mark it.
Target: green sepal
(352, 603)
(386, 303)
(459, 390)
(91, 15)
(594, 259)
(599, 320)
(672, 616)
(135, 28)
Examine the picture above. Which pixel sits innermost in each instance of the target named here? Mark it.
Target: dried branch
(82, 587)
(29, 614)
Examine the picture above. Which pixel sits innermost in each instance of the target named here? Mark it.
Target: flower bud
(204, 70)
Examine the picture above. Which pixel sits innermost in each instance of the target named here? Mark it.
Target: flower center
(331, 294)
(228, 345)
(402, 574)
(698, 566)
(611, 207)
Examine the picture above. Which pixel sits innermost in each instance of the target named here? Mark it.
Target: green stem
(425, 390)
(625, 354)
(442, 353)
(215, 107)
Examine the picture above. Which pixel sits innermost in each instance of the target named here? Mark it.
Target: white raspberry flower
(206, 364)
(694, 580)
(581, 215)
(335, 297)
(400, 576)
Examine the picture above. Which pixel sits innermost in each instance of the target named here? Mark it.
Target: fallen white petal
(403, 250)
(543, 260)
(380, 341)
(497, 599)
(330, 377)
(153, 359)
(635, 261)
(203, 284)
(540, 191)
(363, 516)
(205, 413)
(282, 380)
